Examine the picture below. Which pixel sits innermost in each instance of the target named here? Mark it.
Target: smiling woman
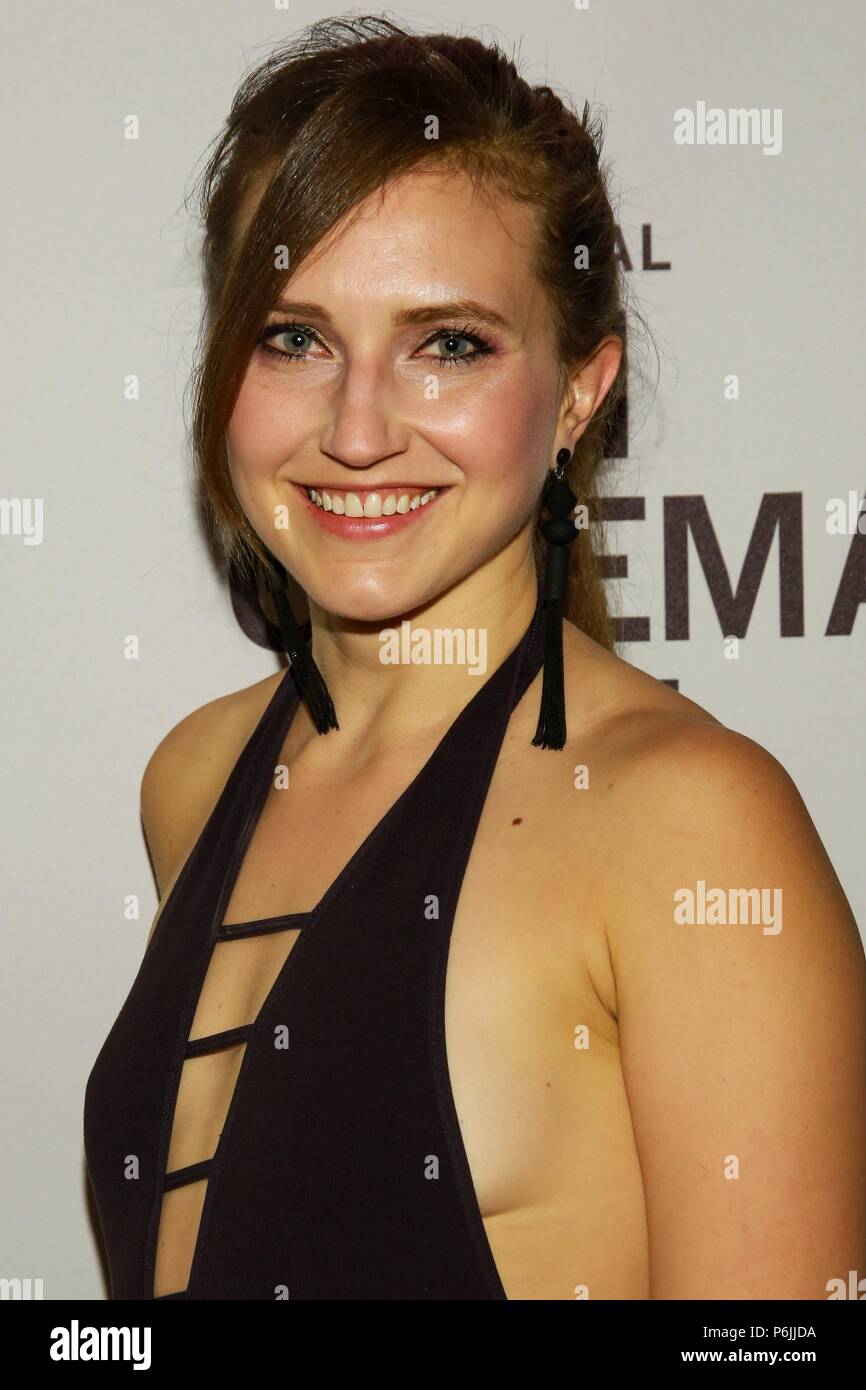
(483, 260)
(418, 1017)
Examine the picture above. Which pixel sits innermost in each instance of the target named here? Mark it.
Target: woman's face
(393, 394)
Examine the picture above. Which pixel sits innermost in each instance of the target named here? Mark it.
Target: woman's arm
(186, 773)
(743, 1045)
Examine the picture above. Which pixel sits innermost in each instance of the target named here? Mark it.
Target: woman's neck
(397, 679)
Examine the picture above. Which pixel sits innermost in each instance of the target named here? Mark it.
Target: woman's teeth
(374, 503)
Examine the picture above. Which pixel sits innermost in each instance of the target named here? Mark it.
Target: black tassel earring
(559, 532)
(309, 679)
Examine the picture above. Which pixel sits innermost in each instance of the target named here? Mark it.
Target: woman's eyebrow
(422, 313)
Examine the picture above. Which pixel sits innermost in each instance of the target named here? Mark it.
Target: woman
(414, 318)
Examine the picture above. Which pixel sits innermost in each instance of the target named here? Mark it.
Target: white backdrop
(764, 285)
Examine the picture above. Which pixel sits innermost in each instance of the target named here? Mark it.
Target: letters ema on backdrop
(780, 513)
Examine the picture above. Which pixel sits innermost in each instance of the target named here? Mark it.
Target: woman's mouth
(368, 512)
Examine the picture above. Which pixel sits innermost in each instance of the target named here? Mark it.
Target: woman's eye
(290, 338)
(292, 341)
(454, 345)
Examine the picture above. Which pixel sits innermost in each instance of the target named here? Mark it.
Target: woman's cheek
(257, 448)
(508, 457)
(251, 433)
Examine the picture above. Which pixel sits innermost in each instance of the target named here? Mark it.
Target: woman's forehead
(433, 207)
(426, 236)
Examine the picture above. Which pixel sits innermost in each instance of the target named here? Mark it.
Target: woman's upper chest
(532, 1045)
(524, 954)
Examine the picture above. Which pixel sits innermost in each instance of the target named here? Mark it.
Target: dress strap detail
(218, 1042)
(233, 931)
(179, 1177)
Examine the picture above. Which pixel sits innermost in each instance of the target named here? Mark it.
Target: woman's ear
(588, 387)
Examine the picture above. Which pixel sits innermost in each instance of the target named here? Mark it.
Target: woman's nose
(364, 424)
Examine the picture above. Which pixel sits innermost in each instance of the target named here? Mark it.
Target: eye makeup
(481, 346)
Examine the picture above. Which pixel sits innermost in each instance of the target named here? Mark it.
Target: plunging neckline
(263, 746)
(286, 719)
(363, 989)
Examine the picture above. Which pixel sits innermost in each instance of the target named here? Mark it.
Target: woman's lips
(365, 527)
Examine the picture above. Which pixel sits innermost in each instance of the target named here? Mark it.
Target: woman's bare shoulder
(726, 939)
(679, 796)
(614, 711)
(188, 769)
(661, 747)
(658, 768)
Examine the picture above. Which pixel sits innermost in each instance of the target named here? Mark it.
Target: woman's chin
(368, 603)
